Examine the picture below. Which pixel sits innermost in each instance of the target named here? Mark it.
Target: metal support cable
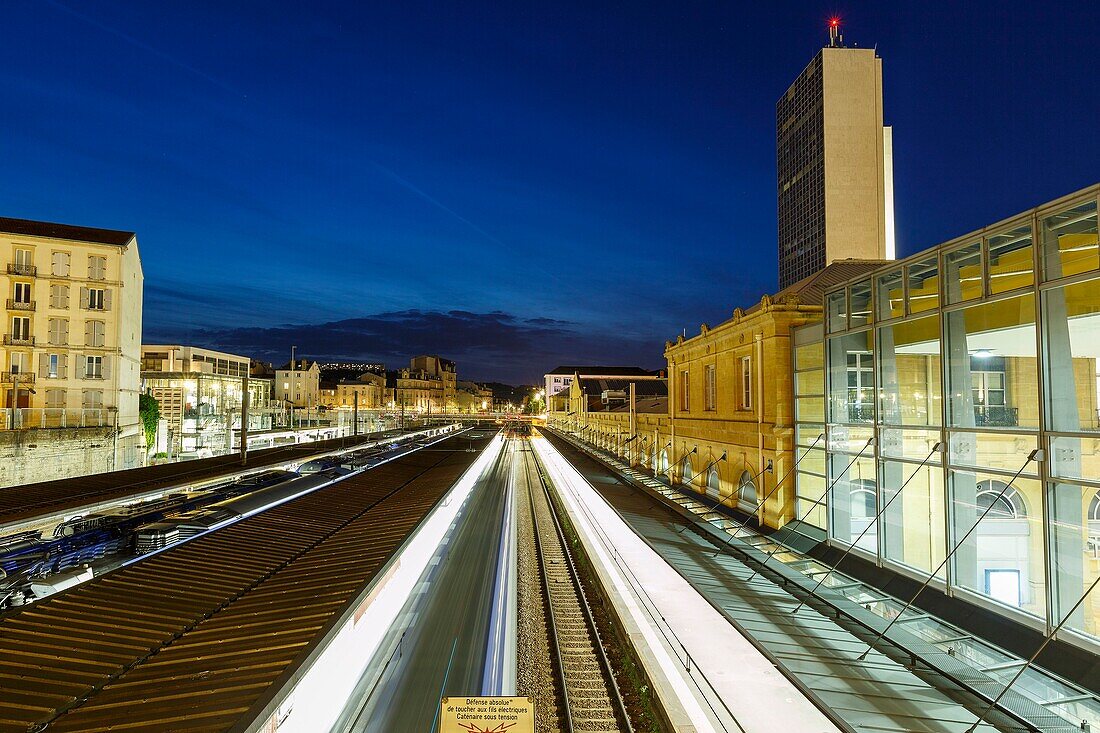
(1035, 455)
(787, 528)
(741, 525)
(937, 448)
(1033, 657)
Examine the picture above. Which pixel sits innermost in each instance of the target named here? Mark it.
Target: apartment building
(72, 331)
(298, 383)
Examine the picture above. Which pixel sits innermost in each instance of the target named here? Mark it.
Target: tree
(149, 411)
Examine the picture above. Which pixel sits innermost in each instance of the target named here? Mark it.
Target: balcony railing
(861, 413)
(18, 269)
(55, 417)
(11, 339)
(20, 305)
(995, 416)
(22, 377)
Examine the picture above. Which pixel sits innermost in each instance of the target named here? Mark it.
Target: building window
(987, 377)
(710, 394)
(58, 334)
(93, 399)
(95, 333)
(96, 299)
(55, 398)
(24, 262)
(861, 386)
(97, 268)
(53, 365)
(59, 264)
(59, 296)
(746, 491)
(21, 293)
(93, 367)
(17, 363)
(685, 391)
(20, 328)
(746, 382)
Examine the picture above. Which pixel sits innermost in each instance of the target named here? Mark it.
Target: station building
(200, 392)
(957, 390)
(937, 411)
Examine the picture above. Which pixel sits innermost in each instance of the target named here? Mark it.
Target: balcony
(23, 377)
(860, 413)
(25, 270)
(995, 416)
(20, 305)
(11, 339)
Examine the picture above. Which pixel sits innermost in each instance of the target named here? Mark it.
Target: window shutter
(81, 366)
(89, 333)
(43, 365)
(64, 333)
(106, 367)
(106, 300)
(63, 365)
(64, 296)
(84, 297)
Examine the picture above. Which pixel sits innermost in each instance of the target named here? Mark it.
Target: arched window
(662, 464)
(1006, 504)
(688, 470)
(746, 491)
(714, 483)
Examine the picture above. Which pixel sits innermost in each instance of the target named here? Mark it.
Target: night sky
(512, 185)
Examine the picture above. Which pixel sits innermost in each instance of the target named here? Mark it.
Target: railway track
(591, 697)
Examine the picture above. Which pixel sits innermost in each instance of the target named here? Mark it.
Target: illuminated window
(746, 382)
(710, 394)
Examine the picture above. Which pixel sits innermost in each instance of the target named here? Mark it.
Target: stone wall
(30, 456)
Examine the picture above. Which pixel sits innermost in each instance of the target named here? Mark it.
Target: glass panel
(991, 370)
(810, 383)
(854, 500)
(1075, 554)
(810, 487)
(836, 309)
(1069, 242)
(807, 434)
(964, 273)
(1002, 451)
(924, 285)
(909, 443)
(851, 378)
(1010, 260)
(860, 303)
(809, 356)
(891, 302)
(1075, 458)
(809, 408)
(1002, 558)
(1071, 319)
(909, 372)
(913, 521)
(849, 438)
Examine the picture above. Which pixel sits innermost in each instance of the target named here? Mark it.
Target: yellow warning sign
(487, 715)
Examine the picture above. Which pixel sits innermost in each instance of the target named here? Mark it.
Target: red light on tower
(834, 32)
(834, 22)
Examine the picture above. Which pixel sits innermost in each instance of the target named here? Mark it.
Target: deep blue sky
(513, 185)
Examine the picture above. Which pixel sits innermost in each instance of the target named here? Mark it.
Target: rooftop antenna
(835, 39)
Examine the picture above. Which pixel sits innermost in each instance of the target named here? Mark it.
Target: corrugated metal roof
(192, 638)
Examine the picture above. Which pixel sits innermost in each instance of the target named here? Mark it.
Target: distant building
(429, 384)
(835, 164)
(298, 383)
(72, 329)
(200, 391)
(369, 391)
(559, 379)
(473, 398)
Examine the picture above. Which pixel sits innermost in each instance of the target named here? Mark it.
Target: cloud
(495, 345)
